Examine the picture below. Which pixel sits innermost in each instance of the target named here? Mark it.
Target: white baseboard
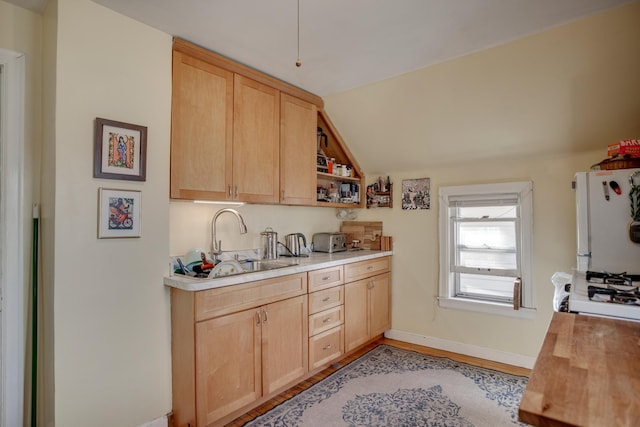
(467, 349)
(158, 422)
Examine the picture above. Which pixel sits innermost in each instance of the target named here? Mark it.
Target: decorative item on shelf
(380, 194)
(416, 194)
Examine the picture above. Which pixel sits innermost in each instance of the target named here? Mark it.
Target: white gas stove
(605, 294)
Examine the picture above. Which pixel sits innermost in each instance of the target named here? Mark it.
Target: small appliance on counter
(292, 244)
(329, 242)
(269, 243)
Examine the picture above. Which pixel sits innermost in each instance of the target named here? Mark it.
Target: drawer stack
(326, 315)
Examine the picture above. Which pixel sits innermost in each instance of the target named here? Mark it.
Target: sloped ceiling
(349, 43)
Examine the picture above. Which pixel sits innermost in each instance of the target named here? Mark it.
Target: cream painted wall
(540, 109)
(21, 31)
(111, 313)
(191, 224)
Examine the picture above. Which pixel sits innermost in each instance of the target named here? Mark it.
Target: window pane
(487, 212)
(490, 287)
(475, 258)
(486, 244)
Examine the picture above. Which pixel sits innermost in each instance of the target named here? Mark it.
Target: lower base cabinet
(235, 346)
(243, 356)
(367, 302)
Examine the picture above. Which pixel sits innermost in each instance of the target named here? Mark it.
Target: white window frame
(447, 296)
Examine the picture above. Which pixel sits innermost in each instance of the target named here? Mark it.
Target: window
(485, 247)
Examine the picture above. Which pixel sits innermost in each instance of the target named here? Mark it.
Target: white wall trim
(458, 347)
(11, 230)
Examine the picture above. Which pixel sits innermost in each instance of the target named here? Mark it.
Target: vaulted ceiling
(349, 43)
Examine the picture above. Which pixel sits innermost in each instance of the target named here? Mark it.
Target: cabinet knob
(327, 320)
(325, 278)
(370, 268)
(326, 299)
(326, 347)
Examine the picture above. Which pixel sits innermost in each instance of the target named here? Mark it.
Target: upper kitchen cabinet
(256, 142)
(241, 135)
(201, 129)
(297, 151)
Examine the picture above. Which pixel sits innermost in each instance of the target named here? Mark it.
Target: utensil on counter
(269, 243)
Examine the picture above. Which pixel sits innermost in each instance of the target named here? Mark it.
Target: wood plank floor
(265, 407)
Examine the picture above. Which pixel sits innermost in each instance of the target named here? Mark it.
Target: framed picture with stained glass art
(120, 150)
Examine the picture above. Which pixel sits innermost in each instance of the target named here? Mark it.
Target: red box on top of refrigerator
(626, 147)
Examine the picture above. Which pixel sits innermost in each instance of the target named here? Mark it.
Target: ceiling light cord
(298, 62)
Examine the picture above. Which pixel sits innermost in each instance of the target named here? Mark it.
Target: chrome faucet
(216, 245)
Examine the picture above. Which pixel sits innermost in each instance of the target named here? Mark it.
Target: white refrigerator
(604, 205)
(607, 276)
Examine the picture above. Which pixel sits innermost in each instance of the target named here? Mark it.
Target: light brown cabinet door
(201, 129)
(256, 142)
(367, 307)
(284, 342)
(356, 310)
(379, 304)
(298, 148)
(228, 364)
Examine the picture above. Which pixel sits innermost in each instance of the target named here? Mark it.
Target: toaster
(329, 242)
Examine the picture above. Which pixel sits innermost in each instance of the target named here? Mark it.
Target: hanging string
(298, 62)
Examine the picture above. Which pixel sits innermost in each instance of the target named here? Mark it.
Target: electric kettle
(292, 241)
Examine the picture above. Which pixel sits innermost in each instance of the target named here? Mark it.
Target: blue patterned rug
(389, 386)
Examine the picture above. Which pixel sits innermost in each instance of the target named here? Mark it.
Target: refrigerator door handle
(582, 210)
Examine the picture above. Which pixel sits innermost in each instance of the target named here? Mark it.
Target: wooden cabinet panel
(326, 320)
(297, 151)
(256, 141)
(356, 313)
(379, 304)
(326, 278)
(325, 299)
(201, 129)
(362, 269)
(325, 347)
(284, 343)
(228, 365)
(228, 299)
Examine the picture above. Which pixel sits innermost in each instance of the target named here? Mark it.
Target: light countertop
(315, 261)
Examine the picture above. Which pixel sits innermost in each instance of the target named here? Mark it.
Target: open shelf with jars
(340, 181)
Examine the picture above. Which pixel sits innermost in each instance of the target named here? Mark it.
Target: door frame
(12, 286)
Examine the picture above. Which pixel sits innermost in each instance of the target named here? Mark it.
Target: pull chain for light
(298, 62)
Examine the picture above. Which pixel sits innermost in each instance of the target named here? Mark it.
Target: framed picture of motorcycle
(120, 150)
(118, 213)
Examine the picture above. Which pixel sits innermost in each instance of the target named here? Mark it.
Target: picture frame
(118, 213)
(416, 194)
(120, 150)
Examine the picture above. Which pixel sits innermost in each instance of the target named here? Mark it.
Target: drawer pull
(370, 268)
(326, 347)
(258, 318)
(265, 315)
(326, 299)
(326, 278)
(327, 320)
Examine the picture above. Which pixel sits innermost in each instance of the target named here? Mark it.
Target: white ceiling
(348, 43)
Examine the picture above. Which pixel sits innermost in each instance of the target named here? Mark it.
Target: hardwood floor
(265, 407)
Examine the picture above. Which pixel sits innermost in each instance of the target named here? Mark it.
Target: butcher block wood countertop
(587, 374)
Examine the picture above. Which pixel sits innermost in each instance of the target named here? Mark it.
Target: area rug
(389, 386)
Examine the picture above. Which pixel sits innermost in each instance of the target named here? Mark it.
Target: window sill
(487, 307)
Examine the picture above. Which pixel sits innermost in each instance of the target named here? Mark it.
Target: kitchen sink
(232, 268)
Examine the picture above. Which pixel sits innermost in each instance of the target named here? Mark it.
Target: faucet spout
(216, 245)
